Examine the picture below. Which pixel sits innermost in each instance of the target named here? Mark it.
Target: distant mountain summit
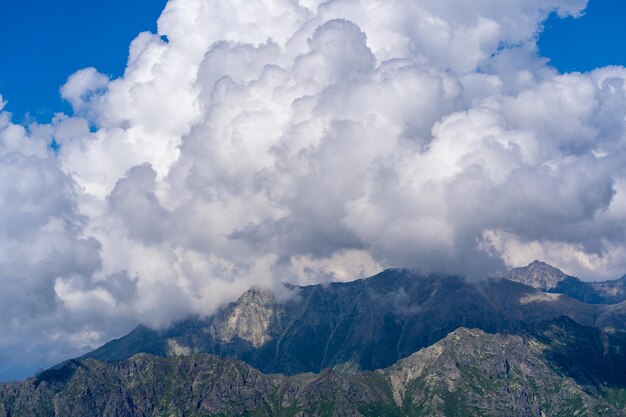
(537, 274)
(547, 278)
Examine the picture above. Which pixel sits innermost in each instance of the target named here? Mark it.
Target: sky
(64, 36)
(43, 43)
(261, 142)
(587, 42)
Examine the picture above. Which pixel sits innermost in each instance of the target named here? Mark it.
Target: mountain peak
(537, 274)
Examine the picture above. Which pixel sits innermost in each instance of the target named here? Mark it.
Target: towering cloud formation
(261, 141)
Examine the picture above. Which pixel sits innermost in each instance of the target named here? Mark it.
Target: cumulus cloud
(258, 142)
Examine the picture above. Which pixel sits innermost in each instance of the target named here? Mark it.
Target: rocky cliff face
(251, 319)
(468, 373)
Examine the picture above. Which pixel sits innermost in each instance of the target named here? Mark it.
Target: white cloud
(341, 266)
(82, 87)
(255, 142)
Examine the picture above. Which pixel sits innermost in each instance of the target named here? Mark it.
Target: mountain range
(363, 325)
(531, 342)
(467, 373)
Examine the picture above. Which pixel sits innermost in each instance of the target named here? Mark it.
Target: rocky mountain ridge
(467, 373)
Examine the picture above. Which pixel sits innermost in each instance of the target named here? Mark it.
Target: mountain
(361, 325)
(605, 292)
(396, 344)
(537, 274)
(467, 373)
(545, 277)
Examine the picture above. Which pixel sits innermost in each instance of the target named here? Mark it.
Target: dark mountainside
(467, 373)
(366, 324)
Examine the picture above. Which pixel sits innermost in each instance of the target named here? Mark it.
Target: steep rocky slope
(468, 373)
(366, 324)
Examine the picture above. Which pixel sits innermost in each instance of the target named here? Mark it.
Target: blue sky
(42, 43)
(588, 42)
